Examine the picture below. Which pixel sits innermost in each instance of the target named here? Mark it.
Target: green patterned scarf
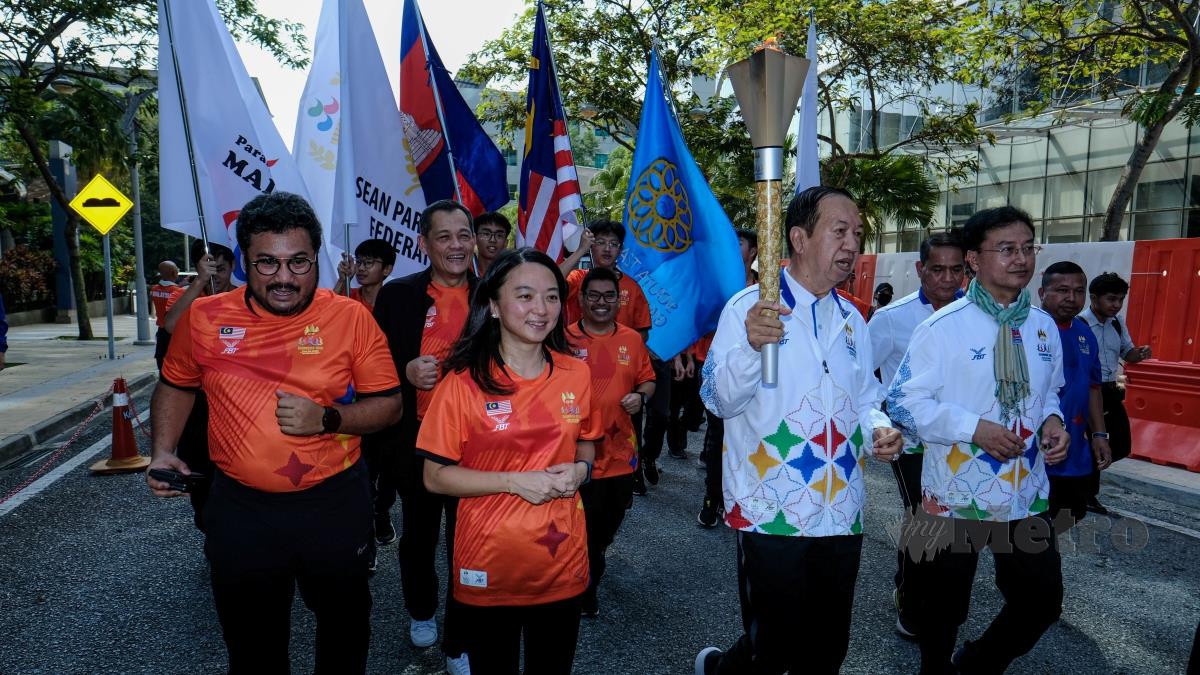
(1008, 362)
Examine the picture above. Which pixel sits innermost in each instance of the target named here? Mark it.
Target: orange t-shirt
(634, 311)
(163, 295)
(443, 324)
(330, 352)
(506, 550)
(356, 294)
(619, 362)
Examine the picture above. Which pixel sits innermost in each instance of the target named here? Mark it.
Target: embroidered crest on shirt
(311, 343)
(570, 410)
(977, 354)
(1043, 346)
(850, 342)
(581, 353)
(431, 316)
(1083, 346)
(499, 411)
(623, 355)
(231, 336)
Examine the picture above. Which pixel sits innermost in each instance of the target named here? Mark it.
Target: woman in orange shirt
(510, 431)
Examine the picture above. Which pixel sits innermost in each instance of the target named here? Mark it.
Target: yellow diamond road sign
(101, 204)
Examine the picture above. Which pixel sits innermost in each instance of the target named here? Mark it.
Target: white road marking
(1187, 532)
(59, 471)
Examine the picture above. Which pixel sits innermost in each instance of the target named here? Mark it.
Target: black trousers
(1028, 574)
(907, 471)
(781, 582)
(162, 342)
(262, 545)
(714, 439)
(494, 636)
(604, 503)
(658, 411)
(1116, 422)
(1068, 500)
(421, 527)
(193, 450)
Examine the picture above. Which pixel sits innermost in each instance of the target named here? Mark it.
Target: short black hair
(277, 212)
(377, 248)
(940, 239)
(975, 230)
(598, 274)
(884, 287)
(802, 211)
(612, 227)
(1108, 282)
(750, 236)
(1062, 267)
(442, 206)
(216, 250)
(493, 218)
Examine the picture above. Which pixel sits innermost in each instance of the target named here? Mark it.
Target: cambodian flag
(463, 144)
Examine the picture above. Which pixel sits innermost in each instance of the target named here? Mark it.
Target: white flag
(808, 166)
(238, 151)
(350, 144)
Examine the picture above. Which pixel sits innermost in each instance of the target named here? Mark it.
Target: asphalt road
(100, 576)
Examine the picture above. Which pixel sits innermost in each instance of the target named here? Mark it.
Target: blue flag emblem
(682, 249)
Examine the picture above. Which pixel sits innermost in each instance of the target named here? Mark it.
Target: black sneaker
(651, 472)
(639, 484)
(902, 630)
(1096, 507)
(708, 515)
(591, 605)
(385, 532)
(373, 565)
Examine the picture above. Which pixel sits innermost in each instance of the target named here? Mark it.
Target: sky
(457, 28)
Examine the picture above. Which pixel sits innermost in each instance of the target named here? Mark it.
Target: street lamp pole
(129, 125)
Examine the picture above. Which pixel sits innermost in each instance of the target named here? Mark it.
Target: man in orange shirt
(608, 238)
(281, 363)
(371, 265)
(622, 381)
(422, 316)
(162, 296)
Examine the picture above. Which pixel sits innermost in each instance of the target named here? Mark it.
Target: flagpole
(558, 90)
(437, 103)
(187, 134)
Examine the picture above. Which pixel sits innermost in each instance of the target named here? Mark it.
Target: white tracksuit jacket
(793, 455)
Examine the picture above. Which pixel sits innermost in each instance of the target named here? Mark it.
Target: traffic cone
(125, 457)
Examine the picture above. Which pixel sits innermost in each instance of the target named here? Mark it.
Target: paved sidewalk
(59, 377)
(1165, 482)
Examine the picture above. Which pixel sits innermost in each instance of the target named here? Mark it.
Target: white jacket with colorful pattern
(946, 384)
(793, 454)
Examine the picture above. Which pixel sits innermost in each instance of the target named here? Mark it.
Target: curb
(1153, 488)
(26, 440)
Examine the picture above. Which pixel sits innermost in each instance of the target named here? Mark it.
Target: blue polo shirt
(1081, 370)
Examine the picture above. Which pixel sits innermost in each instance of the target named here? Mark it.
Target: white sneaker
(458, 666)
(423, 633)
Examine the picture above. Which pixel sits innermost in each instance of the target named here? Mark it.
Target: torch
(767, 86)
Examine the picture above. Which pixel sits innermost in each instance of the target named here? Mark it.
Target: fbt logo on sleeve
(472, 578)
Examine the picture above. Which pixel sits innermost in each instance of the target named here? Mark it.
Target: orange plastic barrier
(1163, 393)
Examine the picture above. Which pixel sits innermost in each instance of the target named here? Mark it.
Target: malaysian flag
(549, 195)
(495, 408)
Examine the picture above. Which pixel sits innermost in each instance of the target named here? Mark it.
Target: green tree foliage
(49, 45)
(1080, 50)
(892, 187)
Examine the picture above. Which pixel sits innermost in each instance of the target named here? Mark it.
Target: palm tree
(894, 187)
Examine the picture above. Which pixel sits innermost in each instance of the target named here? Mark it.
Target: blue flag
(681, 247)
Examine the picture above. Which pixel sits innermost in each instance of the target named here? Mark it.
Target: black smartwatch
(331, 421)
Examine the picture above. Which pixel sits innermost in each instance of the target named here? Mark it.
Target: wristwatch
(1100, 434)
(644, 399)
(331, 421)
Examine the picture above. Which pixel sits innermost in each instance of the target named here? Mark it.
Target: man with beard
(979, 386)
(793, 477)
(422, 316)
(289, 504)
(940, 271)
